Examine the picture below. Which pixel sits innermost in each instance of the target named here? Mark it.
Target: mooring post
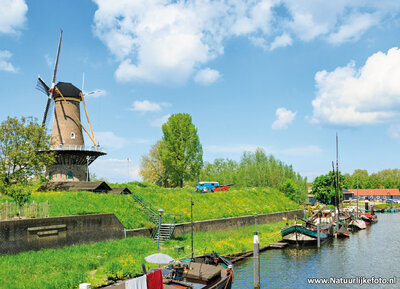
(256, 252)
(318, 236)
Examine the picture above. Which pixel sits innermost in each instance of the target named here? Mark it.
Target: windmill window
(72, 135)
(69, 175)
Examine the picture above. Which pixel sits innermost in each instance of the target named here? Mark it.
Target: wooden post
(318, 236)
(6, 209)
(33, 208)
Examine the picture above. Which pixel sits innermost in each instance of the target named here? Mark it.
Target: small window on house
(69, 175)
(72, 135)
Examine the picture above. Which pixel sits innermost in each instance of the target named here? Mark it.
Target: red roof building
(376, 194)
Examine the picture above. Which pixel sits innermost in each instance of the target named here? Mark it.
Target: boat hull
(358, 224)
(301, 235)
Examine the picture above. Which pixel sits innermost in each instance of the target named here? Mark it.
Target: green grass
(236, 202)
(95, 263)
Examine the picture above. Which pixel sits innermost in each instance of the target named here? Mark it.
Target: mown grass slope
(236, 202)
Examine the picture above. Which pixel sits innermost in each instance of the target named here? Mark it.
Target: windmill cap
(68, 90)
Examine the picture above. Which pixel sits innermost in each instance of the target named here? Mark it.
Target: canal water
(374, 252)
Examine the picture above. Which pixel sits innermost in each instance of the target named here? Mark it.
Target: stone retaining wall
(35, 234)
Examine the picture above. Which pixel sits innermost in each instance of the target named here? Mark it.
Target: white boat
(357, 224)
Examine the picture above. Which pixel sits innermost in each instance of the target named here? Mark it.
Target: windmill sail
(41, 85)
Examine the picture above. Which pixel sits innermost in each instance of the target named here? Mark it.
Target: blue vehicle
(204, 187)
(207, 186)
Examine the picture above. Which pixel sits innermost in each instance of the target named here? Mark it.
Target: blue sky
(277, 74)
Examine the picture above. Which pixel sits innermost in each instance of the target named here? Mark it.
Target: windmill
(72, 156)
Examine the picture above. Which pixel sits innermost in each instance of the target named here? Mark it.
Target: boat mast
(337, 182)
(357, 198)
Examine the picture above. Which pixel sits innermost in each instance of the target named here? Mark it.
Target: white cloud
(352, 97)
(281, 41)
(12, 15)
(284, 118)
(394, 131)
(354, 27)
(5, 65)
(116, 170)
(207, 76)
(158, 122)
(49, 61)
(146, 106)
(163, 41)
(108, 140)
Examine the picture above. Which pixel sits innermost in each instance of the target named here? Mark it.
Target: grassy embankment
(95, 263)
(236, 202)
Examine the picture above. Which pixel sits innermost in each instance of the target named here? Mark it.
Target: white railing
(75, 148)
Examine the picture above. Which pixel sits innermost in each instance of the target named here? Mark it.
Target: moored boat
(209, 271)
(357, 224)
(299, 234)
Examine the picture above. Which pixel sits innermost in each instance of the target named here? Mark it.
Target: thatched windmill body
(72, 156)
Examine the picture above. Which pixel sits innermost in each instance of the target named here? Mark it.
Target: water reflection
(372, 252)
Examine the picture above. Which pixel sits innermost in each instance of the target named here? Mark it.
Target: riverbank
(98, 263)
(367, 254)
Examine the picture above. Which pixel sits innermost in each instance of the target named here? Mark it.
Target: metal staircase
(168, 221)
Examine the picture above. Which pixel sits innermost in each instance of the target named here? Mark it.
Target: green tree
(323, 188)
(24, 152)
(152, 168)
(180, 149)
(21, 195)
(291, 190)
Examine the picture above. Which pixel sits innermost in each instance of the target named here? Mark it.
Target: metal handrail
(75, 148)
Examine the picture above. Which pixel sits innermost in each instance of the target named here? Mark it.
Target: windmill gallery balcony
(76, 148)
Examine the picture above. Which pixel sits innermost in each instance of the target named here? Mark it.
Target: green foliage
(20, 195)
(291, 190)
(67, 267)
(152, 168)
(254, 170)
(180, 149)
(323, 188)
(388, 179)
(22, 146)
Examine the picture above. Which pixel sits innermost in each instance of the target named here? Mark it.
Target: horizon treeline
(256, 169)
(388, 179)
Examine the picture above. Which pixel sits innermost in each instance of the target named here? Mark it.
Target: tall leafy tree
(180, 149)
(323, 188)
(152, 168)
(24, 152)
